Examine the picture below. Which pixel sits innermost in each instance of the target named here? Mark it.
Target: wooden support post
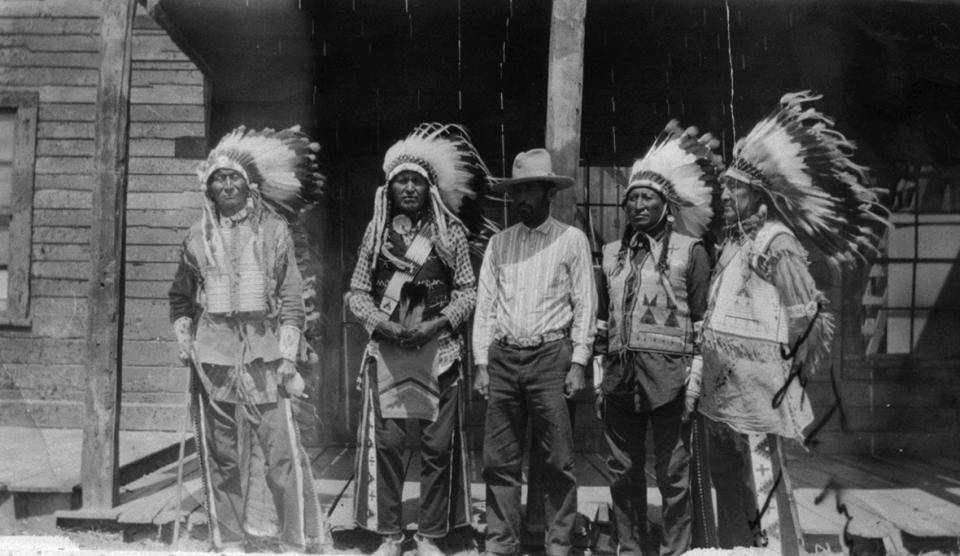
(99, 465)
(564, 99)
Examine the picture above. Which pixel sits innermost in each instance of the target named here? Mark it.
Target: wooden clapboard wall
(51, 47)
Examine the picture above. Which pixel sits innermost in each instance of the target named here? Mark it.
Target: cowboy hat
(532, 165)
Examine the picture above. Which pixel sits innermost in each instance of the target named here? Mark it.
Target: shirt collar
(543, 228)
(238, 217)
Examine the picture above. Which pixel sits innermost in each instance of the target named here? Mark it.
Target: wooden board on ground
(153, 499)
(335, 485)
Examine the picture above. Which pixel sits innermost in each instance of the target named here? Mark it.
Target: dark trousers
(732, 476)
(440, 466)
(625, 433)
(528, 383)
(288, 475)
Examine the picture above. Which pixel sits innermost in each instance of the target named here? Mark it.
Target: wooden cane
(182, 431)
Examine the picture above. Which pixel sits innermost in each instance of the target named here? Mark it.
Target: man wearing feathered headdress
(766, 327)
(412, 288)
(656, 279)
(237, 313)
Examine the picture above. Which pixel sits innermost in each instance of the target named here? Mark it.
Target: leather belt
(531, 341)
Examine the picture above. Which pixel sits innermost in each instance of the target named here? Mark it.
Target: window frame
(912, 218)
(26, 104)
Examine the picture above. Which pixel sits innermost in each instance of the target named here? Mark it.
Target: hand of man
(295, 386)
(390, 330)
(574, 381)
(290, 379)
(286, 370)
(183, 354)
(481, 382)
(690, 403)
(598, 403)
(423, 332)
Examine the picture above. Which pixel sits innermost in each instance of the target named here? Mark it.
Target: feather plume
(680, 166)
(282, 165)
(803, 167)
(445, 153)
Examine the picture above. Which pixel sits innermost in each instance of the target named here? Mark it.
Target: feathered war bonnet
(280, 168)
(444, 155)
(802, 168)
(680, 167)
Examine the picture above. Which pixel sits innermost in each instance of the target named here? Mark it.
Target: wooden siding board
(147, 289)
(167, 77)
(161, 148)
(33, 76)
(172, 379)
(59, 234)
(63, 165)
(33, 377)
(50, 8)
(162, 166)
(162, 65)
(53, 43)
(153, 253)
(66, 93)
(65, 147)
(56, 198)
(167, 94)
(48, 26)
(65, 112)
(141, 235)
(25, 349)
(186, 113)
(147, 271)
(80, 182)
(22, 56)
(53, 217)
(64, 130)
(150, 353)
(171, 130)
(156, 46)
(168, 201)
(41, 252)
(149, 183)
(73, 271)
(179, 220)
(59, 287)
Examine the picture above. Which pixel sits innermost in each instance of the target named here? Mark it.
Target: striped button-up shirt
(534, 282)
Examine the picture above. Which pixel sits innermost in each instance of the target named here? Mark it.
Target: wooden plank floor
(885, 498)
(48, 460)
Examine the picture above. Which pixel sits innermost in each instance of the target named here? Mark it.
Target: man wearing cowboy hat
(533, 335)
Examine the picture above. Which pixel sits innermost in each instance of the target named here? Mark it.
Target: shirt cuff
(371, 323)
(480, 356)
(451, 315)
(289, 342)
(581, 354)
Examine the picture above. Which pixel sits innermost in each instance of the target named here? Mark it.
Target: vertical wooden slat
(564, 97)
(99, 466)
(21, 202)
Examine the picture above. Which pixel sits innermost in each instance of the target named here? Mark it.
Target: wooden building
(358, 74)
(50, 70)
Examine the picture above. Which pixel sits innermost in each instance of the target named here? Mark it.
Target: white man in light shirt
(533, 335)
